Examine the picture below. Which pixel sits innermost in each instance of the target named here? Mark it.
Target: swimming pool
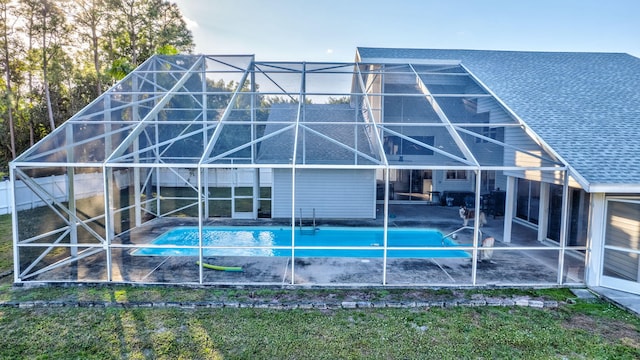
(272, 241)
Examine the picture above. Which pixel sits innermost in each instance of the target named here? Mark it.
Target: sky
(331, 30)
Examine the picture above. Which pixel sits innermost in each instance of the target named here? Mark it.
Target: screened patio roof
(221, 111)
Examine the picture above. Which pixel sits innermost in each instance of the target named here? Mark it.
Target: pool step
(308, 230)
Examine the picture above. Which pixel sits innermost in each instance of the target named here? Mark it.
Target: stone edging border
(520, 302)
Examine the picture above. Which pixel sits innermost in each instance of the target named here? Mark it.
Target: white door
(242, 194)
(621, 253)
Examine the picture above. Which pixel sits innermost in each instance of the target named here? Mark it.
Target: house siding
(224, 177)
(332, 193)
(520, 140)
(444, 184)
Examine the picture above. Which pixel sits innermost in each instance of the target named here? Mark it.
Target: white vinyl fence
(5, 197)
(86, 185)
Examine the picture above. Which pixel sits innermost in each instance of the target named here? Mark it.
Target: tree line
(57, 56)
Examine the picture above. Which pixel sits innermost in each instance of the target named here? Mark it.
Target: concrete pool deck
(508, 267)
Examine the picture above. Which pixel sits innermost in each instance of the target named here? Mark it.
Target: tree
(51, 29)
(129, 18)
(27, 10)
(338, 100)
(168, 30)
(45, 22)
(90, 19)
(50, 70)
(141, 28)
(7, 25)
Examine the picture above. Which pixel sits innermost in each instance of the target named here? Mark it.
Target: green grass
(436, 333)
(6, 244)
(583, 330)
(557, 294)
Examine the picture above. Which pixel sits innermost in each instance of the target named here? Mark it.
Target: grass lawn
(593, 331)
(581, 330)
(6, 244)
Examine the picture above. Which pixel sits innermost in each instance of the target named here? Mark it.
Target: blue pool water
(267, 237)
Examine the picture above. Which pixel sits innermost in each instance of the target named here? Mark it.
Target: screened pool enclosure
(235, 164)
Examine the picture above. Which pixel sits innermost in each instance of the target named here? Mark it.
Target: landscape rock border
(504, 302)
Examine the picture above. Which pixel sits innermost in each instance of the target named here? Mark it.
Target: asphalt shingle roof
(586, 106)
(317, 150)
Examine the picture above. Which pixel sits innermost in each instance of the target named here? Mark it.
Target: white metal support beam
(564, 227)
(371, 120)
(443, 117)
(227, 112)
(154, 112)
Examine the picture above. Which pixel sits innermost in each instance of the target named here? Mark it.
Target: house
(583, 107)
(542, 141)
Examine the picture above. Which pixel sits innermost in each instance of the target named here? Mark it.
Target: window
(490, 132)
(456, 175)
(488, 181)
(395, 145)
(528, 200)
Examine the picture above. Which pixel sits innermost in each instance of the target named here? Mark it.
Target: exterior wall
(332, 193)
(520, 140)
(501, 180)
(217, 177)
(486, 152)
(441, 183)
(498, 115)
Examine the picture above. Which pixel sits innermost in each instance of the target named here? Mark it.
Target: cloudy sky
(330, 30)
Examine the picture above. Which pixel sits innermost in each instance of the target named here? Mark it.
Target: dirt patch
(610, 329)
(339, 295)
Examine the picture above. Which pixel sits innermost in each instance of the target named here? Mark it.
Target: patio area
(522, 262)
